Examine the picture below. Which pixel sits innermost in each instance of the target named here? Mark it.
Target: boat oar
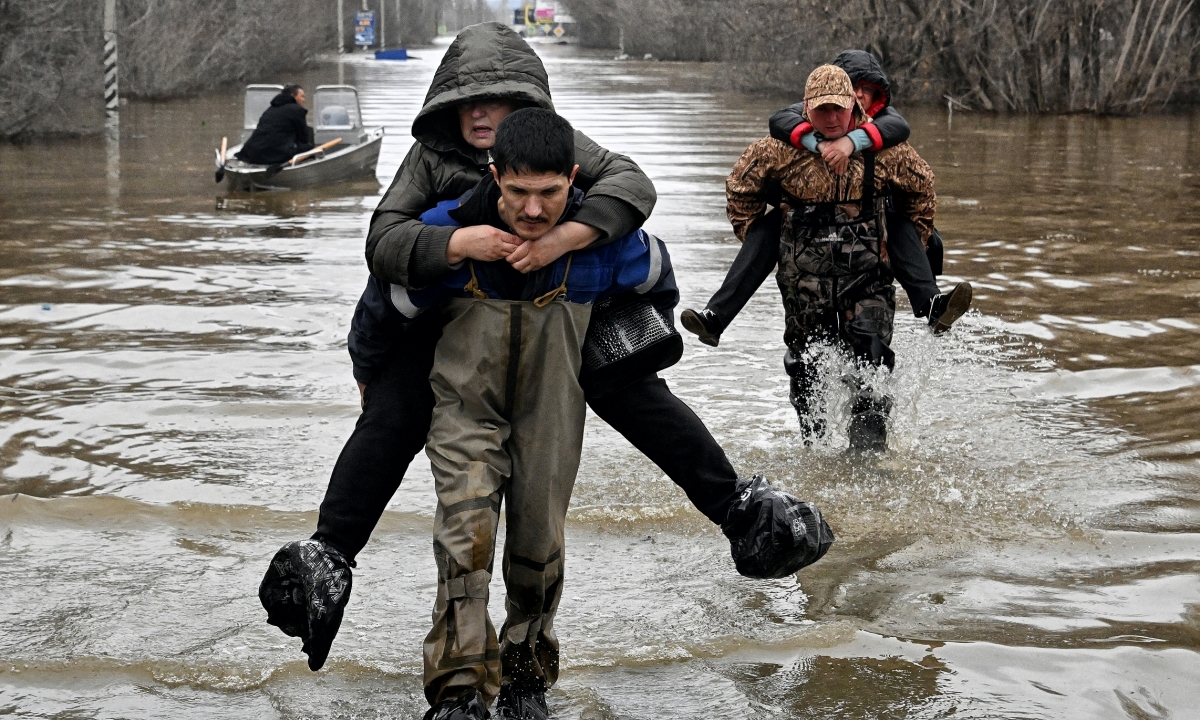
(221, 169)
(275, 169)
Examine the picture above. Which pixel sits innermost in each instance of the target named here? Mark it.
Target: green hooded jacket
(488, 60)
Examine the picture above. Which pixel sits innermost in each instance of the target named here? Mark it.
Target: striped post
(112, 100)
(341, 33)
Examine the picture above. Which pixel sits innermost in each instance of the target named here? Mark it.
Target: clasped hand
(836, 154)
(486, 243)
(480, 242)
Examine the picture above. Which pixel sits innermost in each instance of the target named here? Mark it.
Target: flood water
(175, 388)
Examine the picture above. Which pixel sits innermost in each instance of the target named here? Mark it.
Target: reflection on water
(175, 388)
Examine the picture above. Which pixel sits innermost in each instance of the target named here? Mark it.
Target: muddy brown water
(175, 388)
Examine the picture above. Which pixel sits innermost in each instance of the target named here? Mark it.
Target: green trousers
(507, 428)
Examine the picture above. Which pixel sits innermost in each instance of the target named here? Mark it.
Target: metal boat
(336, 116)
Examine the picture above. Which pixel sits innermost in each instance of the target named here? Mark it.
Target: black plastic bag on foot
(772, 534)
(305, 592)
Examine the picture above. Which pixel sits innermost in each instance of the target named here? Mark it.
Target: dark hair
(291, 90)
(534, 140)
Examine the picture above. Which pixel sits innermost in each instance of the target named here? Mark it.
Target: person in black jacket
(760, 250)
(282, 131)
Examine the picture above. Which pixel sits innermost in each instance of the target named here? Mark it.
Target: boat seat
(335, 115)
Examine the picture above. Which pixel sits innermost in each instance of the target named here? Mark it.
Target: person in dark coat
(282, 131)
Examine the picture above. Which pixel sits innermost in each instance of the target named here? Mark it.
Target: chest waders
(507, 429)
(836, 284)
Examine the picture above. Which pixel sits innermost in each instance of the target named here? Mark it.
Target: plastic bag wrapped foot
(305, 592)
(772, 534)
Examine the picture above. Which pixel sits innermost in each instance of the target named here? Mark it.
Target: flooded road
(175, 388)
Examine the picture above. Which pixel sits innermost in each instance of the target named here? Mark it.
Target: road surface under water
(175, 388)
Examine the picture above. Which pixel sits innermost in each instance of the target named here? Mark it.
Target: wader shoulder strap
(868, 185)
(549, 297)
(866, 196)
(472, 286)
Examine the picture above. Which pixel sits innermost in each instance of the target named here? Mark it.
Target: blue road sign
(364, 27)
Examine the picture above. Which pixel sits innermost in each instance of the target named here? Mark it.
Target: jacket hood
(282, 99)
(862, 66)
(488, 60)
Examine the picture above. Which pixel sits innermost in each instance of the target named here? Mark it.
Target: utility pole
(112, 105)
(341, 30)
(341, 43)
(112, 101)
(382, 25)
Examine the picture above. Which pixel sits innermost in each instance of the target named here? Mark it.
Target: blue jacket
(636, 263)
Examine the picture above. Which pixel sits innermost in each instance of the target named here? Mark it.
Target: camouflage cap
(829, 85)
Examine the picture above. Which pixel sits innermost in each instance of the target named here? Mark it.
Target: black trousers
(909, 262)
(760, 253)
(395, 422)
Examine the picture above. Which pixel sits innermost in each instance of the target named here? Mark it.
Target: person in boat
(487, 72)
(835, 272)
(281, 131)
(759, 255)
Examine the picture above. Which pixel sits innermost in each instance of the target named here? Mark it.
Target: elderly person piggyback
(834, 272)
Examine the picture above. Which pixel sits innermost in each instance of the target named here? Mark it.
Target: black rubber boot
(522, 701)
(703, 324)
(944, 309)
(304, 592)
(808, 412)
(868, 424)
(802, 394)
(467, 706)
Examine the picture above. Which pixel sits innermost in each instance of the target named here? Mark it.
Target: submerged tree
(1016, 55)
(1043, 55)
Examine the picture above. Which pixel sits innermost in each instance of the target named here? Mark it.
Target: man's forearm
(742, 213)
(745, 188)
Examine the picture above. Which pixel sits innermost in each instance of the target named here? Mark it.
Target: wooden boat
(336, 117)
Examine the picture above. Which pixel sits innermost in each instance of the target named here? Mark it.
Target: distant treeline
(1110, 56)
(50, 50)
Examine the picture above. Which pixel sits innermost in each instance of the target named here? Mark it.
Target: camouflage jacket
(769, 166)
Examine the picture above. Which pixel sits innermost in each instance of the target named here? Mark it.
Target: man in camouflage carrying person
(834, 272)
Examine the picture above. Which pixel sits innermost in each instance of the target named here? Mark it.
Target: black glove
(772, 534)
(305, 592)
